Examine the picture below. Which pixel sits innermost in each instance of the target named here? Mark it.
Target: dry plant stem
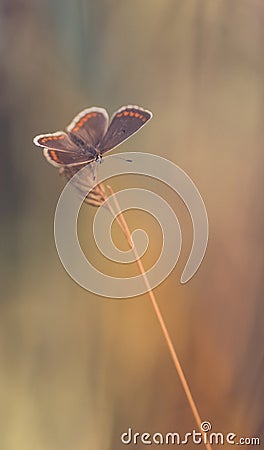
(174, 356)
(113, 214)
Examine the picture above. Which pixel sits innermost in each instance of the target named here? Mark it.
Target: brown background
(77, 370)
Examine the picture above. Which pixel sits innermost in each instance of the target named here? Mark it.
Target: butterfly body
(90, 135)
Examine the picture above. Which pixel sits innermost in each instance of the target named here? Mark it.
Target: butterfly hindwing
(59, 159)
(125, 122)
(90, 125)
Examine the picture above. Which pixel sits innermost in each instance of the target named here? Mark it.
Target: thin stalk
(124, 227)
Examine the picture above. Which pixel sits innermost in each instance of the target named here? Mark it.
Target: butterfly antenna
(124, 159)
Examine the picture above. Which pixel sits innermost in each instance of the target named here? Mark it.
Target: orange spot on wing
(126, 113)
(51, 138)
(142, 118)
(54, 156)
(83, 120)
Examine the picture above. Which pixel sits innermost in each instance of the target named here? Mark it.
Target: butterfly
(90, 135)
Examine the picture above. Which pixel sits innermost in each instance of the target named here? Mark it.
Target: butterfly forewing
(58, 141)
(90, 126)
(125, 122)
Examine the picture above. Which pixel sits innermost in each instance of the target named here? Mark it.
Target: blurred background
(77, 370)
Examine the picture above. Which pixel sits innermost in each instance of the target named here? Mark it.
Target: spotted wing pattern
(88, 135)
(59, 159)
(124, 123)
(90, 126)
(58, 141)
(60, 150)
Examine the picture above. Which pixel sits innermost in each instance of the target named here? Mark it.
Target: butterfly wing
(125, 122)
(58, 141)
(60, 150)
(66, 159)
(89, 126)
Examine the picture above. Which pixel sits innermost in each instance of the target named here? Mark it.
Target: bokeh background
(77, 370)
